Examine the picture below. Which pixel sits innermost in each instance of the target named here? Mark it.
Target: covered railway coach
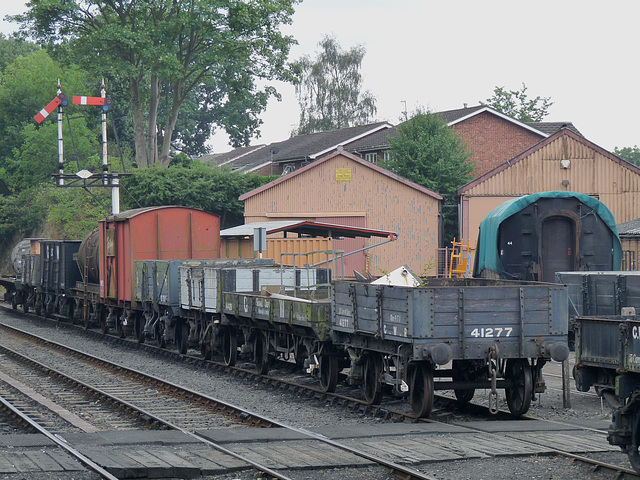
(534, 236)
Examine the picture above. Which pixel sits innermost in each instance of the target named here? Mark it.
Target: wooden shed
(344, 189)
(630, 237)
(565, 161)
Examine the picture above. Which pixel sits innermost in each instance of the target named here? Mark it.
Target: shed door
(558, 247)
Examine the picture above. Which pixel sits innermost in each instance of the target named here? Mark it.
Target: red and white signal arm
(104, 102)
(60, 100)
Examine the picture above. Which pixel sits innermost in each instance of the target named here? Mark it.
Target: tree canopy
(630, 154)
(428, 152)
(329, 93)
(516, 104)
(192, 184)
(209, 51)
(29, 153)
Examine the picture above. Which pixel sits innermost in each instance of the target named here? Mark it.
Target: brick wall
(493, 140)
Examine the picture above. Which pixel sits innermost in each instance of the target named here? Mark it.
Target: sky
(441, 55)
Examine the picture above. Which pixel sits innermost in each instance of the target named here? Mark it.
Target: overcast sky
(441, 55)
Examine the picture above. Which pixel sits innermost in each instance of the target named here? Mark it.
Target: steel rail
(365, 406)
(407, 472)
(58, 441)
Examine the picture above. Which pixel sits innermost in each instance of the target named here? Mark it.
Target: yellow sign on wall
(343, 174)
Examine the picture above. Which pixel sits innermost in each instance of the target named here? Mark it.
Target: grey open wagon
(476, 333)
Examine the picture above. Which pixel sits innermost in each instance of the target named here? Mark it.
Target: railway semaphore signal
(85, 178)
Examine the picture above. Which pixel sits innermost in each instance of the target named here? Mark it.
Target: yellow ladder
(463, 261)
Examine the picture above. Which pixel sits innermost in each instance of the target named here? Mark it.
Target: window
(387, 156)
(288, 168)
(371, 157)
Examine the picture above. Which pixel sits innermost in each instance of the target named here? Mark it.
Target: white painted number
(491, 332)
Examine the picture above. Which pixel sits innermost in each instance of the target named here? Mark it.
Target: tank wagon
(608, 359)
(534, 236)
(154, 274)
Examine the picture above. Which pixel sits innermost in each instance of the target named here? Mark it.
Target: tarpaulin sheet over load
(487, 256)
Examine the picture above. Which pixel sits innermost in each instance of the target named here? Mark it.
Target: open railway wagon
(49, 273)
(608, 359)
(495, 333)
(601, 293)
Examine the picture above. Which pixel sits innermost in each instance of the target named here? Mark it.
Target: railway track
(187, 411)
(390, 413)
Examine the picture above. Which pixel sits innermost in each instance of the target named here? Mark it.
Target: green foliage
(48, 211)
(11, 48)
(213, 189)
(37, 158)
(630, 154)
(329, 93)
(167, 50)
(516, 104)
(426, 151)
(29, 152)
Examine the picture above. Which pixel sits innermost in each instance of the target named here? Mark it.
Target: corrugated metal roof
(631, 228)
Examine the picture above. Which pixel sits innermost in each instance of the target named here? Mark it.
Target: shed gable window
(371, 157)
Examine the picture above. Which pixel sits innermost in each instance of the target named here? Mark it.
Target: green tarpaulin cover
(487, 246)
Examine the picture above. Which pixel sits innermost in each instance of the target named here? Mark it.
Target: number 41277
(491, 332)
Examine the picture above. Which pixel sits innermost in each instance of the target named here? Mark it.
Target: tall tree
(630, 154)
(28, 154)
(516, 104)
(172, 48)
(12, 48)
(192, 184)
(428, 152)
(329, 93)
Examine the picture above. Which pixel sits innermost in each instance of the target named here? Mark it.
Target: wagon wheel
(70, 310)
(138, 327)
(102, 318)
(120, 328)
(182, 337)
(38, 305)
(328, 367)
(25, 304)
(229, 343)
(633, 451)
(519, 394)
(159, 334)
(421, 389)
(206, 350)
(260, 358)
(300, 355)
(372, 373)
(462, 374)
(90, 316)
